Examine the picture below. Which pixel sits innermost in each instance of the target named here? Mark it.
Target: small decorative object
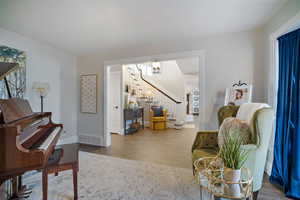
(179, 125)
(238, 94)
(132, 105)
(133, 92)
(195, 101)
(42, 89)
(88, 93)
(149, 96)
(234, 158)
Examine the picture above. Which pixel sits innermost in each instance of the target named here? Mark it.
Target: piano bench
(65, 157)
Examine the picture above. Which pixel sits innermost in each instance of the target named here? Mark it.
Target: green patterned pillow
(232, 126)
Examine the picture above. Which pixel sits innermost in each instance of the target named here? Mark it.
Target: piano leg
(45, 184)
(75, 171)
(15, 186)
(19, 191)
(22, 189)
(16, 194)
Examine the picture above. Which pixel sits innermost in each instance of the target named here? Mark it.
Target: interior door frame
(201, 54)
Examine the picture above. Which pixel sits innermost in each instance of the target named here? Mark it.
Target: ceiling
(83, 26)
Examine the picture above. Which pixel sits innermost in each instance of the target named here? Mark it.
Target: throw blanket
(247, 110)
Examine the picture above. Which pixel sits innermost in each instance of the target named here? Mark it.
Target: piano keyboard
(31, 130)
(30, 137)
(45, 145)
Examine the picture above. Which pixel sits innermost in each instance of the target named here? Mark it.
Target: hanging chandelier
(156, 67)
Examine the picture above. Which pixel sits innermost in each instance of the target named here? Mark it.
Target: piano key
(28, 136)
(50, 138)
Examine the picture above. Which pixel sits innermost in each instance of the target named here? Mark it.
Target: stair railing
(156, 88)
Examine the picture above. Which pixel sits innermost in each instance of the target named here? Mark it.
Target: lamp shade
(41, 88)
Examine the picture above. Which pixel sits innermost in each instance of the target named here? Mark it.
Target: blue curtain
(286, 164)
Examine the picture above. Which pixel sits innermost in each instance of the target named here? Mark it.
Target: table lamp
(42, 89)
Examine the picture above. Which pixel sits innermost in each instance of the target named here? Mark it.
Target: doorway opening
(169, 81)
(192, 93)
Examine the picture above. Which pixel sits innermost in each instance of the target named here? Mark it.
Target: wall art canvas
(238, 95)
(17, 78)
(88, 93)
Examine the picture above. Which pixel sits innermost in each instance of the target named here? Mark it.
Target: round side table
(209, 174)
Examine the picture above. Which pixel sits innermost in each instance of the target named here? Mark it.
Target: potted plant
(234, 158)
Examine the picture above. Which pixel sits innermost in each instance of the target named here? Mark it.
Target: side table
(64, 158)
(209, 174)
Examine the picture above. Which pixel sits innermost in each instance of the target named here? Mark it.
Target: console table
(133, 115)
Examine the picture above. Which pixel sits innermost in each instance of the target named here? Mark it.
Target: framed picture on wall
(16, 79)
(238, 95)
(88, 93)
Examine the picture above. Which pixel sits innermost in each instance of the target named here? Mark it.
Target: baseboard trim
(91, 140)
(68, 140)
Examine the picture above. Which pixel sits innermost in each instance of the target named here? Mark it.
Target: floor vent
(88, 139)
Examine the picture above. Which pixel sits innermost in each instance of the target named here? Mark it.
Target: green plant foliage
(233, 156)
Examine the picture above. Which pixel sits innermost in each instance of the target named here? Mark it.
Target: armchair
(158, 122)
(206, 142)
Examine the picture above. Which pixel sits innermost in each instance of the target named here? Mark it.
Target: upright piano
(27, 138)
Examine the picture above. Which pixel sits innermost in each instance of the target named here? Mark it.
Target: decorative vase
(233, 176)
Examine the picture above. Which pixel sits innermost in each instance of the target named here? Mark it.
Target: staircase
(160, 96)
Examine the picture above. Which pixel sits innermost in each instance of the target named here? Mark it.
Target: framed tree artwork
(16, 78)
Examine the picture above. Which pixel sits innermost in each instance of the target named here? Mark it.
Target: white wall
(229, 57)
(191, 82)
(92, 124)
(171, 79)
(48, 64)
(291, 9)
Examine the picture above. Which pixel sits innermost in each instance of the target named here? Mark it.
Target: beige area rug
(110, 178)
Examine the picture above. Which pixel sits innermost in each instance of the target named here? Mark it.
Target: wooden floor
(171, 147)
